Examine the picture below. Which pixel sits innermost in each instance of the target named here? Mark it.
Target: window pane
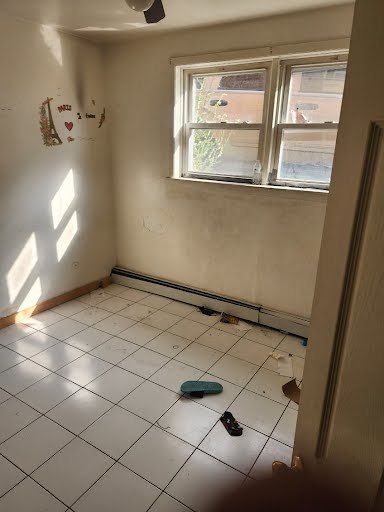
(224, 152)
(307, 155)
(235, 98)
(315, 94)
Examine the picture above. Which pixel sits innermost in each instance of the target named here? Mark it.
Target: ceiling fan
(153, 9)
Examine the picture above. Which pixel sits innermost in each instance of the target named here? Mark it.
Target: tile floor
(92, 418)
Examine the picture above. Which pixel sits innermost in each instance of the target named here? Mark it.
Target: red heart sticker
(69, 126)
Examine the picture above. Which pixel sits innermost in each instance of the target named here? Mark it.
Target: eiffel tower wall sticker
(47, 126)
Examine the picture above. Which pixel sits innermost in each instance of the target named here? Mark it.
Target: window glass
(306, 155)
(224, 152)
(315, 94)
(228, 98)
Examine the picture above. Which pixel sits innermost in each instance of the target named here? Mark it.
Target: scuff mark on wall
(157, 221)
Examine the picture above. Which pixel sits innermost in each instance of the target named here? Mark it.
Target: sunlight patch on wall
(33, 296)
(63, 199)
(67, 236)
(52, 40)
(22, 268)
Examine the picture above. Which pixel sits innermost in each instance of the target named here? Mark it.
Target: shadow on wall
(23, 280)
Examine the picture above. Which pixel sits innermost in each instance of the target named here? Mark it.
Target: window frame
(276, 96)
(189, 126)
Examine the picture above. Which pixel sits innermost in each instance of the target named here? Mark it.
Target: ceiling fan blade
(155, 13)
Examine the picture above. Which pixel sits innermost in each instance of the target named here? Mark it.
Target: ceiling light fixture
(140, 5)
(153, 9)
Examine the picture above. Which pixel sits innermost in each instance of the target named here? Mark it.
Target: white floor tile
(28, 496)
(78, 411)
(167, 504)
(199, 356)
(286, 428)
(114, 324)
(140, 333)
(133, 295)
(57, 356)
(161, 320)
(149, 401)
(42, 320)
(14, 416)
(155, 301)
(70, 308)
(179, 308)
(114, 350)
(115, 289)
(188, 421)
(4, 396)
(117, 491)
(35, 444)
(168, 344)
(20, 377)
(174, 373)
(237, 330)
(137, 311)
(114, 304)
(91, 316)
(265, 336)
(10, 475)
(273, 451)
(8, 358)
(188, 329)
(219, 340)
(88, 339)
(115, 384)
(33, 344)
(221, 401)
(116, 431)
(250, 351)
(70, 472)
(239, 452)
(201, 481)
(234, 370)
(95, 297)
(197, 316)
(64, 329)
(256, 411)
(269, 384)
(48, 392)
(144, 362)
(13, 333)
(85, 369)
(293, 345)
(157, 456)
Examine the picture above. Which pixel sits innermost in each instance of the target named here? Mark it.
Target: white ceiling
(105, 20)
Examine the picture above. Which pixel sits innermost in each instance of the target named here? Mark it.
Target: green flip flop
(198, 389)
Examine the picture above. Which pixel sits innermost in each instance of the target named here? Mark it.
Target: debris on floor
(284, 364)
(240, 325)
(232, 426)
(292, 391)
(207, 311)
(198, 389)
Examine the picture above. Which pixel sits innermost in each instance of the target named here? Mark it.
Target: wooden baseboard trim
(56, 301)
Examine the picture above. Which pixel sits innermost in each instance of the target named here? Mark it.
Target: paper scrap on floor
(284, 364)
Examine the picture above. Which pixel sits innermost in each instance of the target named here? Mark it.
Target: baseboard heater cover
(251, 312)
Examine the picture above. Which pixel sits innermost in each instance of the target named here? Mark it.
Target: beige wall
(38, 214)
(252, 244)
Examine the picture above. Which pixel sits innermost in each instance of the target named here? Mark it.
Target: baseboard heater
(251, 312)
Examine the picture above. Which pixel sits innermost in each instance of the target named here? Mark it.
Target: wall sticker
(47, 126)
(102, 118)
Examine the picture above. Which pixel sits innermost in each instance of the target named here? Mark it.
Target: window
(270, 122)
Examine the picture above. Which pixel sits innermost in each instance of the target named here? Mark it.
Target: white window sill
(275, 188)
